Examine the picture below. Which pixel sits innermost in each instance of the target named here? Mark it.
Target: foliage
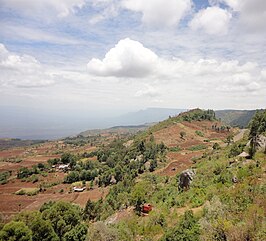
(175, 149)
(41, 229)
(186, 229)
(15, 231)
(257, 127)
(28, 191)
(236, 149)
(197, 147)
(199, 133)
(216, 146)
(4, 176)
(64, 217)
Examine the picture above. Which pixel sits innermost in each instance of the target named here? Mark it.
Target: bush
(186, 229)
(199, 133)
(3, 177)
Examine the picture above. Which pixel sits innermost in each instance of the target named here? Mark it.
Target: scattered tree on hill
(229, 139)
(257, 127)
(182, 134)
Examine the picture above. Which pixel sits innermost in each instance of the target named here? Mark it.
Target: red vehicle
(146, 208)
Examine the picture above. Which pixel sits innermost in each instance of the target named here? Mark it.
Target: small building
(63, 167)
(146, 208)
(79, 189)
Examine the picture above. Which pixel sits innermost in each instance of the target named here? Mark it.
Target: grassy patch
(28, 191)
(175, 149)
(197, 147)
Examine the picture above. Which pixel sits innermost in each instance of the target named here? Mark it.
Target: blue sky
(115, 56)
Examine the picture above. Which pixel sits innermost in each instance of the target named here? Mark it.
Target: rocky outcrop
(185, 179)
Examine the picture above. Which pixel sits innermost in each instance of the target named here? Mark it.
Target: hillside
(239, 118)
(225, 200)
(116, 130)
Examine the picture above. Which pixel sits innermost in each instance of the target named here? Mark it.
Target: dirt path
(240, 135)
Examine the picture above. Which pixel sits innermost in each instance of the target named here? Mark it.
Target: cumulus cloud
(37, 8)
(212, 20)
(22, 70)
(131, 59)
(159, 12)
(128, 58)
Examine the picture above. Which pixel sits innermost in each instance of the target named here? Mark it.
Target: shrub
(199, 133)
(3, 177)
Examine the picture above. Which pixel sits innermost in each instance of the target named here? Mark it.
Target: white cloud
(22, 70)
(253, 14)
(105, 9)
(34, 34)
(38, 8)
(212, 20)
(128, 58)
(159, 12)
(148, 91)
(131, 59)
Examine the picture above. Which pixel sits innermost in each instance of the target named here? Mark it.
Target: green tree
(41, 229)
(63, 217)
(15, 231)
(78, 233)
(186, 230)
(257, 127)
(229, 139)
(216, 146)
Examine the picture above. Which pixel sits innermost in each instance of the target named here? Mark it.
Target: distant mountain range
(26, 123)
(239, 118)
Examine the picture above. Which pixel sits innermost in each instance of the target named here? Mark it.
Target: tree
(257, 127)
(229, 139)
(78, 233)
(182, 134)
(41, 229)
(63, 217)
(15, 231)
(216, 146)
(89, 211)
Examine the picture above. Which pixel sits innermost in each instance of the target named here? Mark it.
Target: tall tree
(257, 127)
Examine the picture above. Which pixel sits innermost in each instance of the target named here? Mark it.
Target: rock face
(262, 143)
(185, 179)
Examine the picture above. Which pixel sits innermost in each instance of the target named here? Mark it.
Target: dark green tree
(15, 231)
(63, 217)
(78, 233)
(257, 127)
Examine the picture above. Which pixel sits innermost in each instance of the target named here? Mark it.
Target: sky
(114, 56)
